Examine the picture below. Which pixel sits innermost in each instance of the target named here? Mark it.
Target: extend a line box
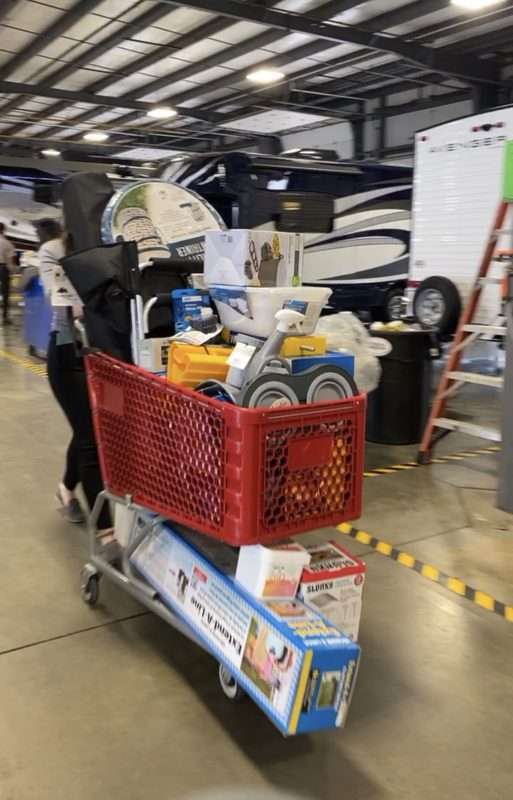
(296, 666)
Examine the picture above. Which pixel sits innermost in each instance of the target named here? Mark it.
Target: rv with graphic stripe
(355, 216)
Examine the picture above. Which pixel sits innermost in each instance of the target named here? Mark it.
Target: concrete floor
(113, 704)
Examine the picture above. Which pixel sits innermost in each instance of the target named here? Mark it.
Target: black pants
(5, 286)
(67, 378)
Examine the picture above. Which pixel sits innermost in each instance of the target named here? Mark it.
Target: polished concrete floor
(113, 704)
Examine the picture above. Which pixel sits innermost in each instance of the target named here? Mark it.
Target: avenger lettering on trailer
(487, 141)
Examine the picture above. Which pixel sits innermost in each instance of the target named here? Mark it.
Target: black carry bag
(84, 197)
(101, 278)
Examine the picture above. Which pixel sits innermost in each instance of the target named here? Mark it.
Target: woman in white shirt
(68, 382)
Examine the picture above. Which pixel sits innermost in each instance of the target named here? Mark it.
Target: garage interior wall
(400, 130)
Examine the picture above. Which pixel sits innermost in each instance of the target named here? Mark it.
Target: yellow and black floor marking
(38, 368)
(455, 585)
(390, 469)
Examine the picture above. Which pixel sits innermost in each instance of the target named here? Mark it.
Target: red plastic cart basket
(239, 475)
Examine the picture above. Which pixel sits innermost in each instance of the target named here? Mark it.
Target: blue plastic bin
(37, 319)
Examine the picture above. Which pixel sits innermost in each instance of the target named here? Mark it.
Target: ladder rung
(470, 428)
(501, 231)
(484, 281)
(477, 377)
(488, 330)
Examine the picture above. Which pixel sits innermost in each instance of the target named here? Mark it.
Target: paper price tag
(241, 355)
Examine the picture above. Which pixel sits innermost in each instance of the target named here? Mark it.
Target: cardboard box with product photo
(288, 658)
(240, 257)
(332, 583)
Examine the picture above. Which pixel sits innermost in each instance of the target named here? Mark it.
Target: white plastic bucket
(252, 310)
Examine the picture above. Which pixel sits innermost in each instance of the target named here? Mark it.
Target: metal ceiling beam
(138, 24)
(424, 103)
(464, 67)
(71, 96)
(462, 22)
(225, 56)
(210, 28)
(484, 43)
(49, 35)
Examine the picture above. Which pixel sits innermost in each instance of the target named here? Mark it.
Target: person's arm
(47, 263)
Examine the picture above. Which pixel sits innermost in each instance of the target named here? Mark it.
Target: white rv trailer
(457, 188)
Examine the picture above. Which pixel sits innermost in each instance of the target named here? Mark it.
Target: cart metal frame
(125, 577)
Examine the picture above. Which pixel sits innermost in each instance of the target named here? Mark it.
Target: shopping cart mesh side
(158, 444)
(310, 473)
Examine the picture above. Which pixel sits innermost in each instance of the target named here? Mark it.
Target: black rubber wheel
(437, 304)
(91, 591)
(229, 685)
(391, 308)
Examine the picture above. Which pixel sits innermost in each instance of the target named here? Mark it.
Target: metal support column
(505, 485)
(382, 128)
(359, 133)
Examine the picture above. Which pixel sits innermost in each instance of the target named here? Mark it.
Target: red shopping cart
(243, 476)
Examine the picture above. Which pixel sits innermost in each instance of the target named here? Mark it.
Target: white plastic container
(271, 571)
(251, 310)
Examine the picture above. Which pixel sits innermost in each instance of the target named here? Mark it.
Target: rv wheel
(392, 306)
(437, 304)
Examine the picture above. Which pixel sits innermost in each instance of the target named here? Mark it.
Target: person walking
(7, 254)
(67, 378)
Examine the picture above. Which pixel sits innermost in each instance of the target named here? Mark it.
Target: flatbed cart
(256, 476)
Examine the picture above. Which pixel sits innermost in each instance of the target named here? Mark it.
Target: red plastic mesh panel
(158, 444)
(240, 475)
(315, 491)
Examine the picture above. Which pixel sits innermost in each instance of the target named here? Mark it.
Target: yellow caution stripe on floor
(390, 469)
(429, 571)
(37, 367)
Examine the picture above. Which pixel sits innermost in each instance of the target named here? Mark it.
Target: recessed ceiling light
(265, 75)
(145, 154)
(162, 112)
(96, 136)
(51, 152)
(475, 5)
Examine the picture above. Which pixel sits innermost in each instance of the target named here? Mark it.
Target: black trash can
(398, 408)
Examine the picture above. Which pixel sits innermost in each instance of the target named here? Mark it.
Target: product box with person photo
(289, 659)
(240, 257)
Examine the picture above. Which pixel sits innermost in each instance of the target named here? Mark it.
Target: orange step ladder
(453, 379)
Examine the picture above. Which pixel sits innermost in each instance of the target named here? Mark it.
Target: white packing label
(241, 355)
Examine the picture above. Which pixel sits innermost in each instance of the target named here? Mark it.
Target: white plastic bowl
(252, 309)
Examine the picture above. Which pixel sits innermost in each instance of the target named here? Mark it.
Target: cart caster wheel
(90, 587)
(229, 685)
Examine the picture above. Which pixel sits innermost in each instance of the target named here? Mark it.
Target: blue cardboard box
(290, 659)
(345, 360)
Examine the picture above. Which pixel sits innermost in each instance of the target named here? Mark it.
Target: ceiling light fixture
(96, 136)
(162, 112)
(265, 75)
(50, 152)
(475, 5)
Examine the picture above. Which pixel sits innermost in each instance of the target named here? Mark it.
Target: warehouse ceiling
(69, 68)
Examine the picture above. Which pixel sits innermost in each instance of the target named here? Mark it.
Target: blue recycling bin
(37, 319)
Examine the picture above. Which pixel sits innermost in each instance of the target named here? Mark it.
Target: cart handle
(159, 301)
